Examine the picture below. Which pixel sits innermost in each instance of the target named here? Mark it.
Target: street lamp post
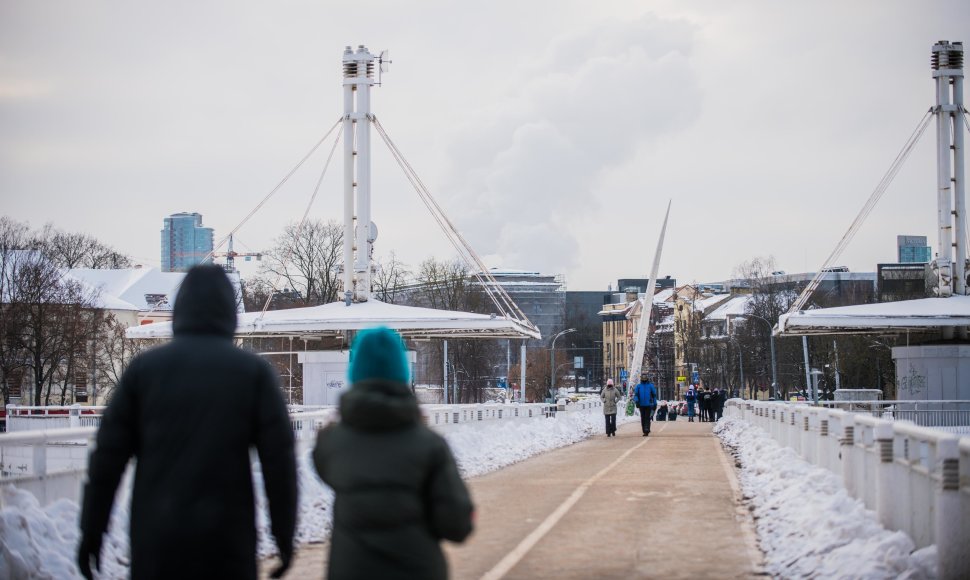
(771, 344)
(552, 362)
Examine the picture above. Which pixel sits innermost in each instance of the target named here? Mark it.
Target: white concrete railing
(30, 418)
(917, 479)
(50, 461)
(951, 415)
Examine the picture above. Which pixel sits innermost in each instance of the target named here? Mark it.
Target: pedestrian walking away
(189, 412)
(397, 488)
(645, 395)
(610, 397)
(691, 399)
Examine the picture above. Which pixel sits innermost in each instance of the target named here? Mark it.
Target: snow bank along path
(41, 542)
(807, 524)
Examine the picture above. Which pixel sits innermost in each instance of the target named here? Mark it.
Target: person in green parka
(397, 489)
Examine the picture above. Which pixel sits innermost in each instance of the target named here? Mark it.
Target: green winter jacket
(398, 490)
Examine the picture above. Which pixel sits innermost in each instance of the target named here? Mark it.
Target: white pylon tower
(358, 78)
(951, 262)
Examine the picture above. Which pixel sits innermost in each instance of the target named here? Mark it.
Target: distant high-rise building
(912, 249)
(185, 242)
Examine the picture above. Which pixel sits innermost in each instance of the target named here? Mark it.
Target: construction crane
(230, 255)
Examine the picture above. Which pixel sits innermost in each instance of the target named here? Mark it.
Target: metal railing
(951, 414)
(916, 478)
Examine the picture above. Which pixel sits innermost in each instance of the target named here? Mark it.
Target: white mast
(358, 242)
(646, 306)
(950, 264)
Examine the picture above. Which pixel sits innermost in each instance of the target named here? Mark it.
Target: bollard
(951, 535)
(886, 498)
(822, 445)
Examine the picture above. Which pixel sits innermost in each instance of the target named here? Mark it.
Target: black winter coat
(398, 490)
(189, 412)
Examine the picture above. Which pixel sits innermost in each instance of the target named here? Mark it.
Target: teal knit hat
(378, 354)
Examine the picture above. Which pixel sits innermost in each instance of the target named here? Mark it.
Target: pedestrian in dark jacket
(703, 403)
(645, 396)
(398, 490)
(610, 397)
(189, 412)
(719, 399)
(662, 411)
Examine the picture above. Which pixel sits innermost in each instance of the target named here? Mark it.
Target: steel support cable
(449, 232)
(299, 228)
(468, 254)
(865, 211)
(274, 190)
(489, 284)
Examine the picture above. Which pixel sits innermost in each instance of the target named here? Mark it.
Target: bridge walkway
(664, 506)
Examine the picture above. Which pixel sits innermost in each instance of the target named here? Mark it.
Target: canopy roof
(921, 314)
(333, 318)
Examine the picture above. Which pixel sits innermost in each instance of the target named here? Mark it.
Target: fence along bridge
(540, 517)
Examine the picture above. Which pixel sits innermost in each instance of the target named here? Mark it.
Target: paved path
(663, 506)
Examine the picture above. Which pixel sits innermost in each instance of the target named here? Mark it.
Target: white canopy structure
(913, 315)
(335, 318)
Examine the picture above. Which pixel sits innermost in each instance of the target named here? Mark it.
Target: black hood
(378, 405)
(206, 303)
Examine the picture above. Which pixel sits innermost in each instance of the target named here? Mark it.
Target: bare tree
(78, 250)
(390, 279)
(14, 238)
(114, 354)
(52, 305)
(307, 260)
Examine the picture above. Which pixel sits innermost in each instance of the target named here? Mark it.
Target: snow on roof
(703, 304)
(664, 295)
(336, 317)
(734, 306)
(924, 313)
(134, 287)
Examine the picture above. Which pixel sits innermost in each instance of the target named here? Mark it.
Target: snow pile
(807, 524)
(37, 542)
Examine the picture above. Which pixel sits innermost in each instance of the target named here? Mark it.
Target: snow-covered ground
(38, 542)
(807, 525)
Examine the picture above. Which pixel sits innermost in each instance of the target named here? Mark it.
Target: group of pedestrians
(711, 404)
(189, 413)
(708, 404)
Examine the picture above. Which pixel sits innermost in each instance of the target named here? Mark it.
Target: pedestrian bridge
(629, 506)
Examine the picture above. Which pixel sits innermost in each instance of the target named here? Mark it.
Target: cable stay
(499, 297)
(273, 191)
(874, 198)
(299, 227)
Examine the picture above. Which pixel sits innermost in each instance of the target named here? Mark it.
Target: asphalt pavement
(663, 506)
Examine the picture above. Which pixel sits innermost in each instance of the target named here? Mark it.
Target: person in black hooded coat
(398, 490)
(189, 412)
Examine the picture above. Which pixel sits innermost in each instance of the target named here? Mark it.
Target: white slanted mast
(646, 307)
(358, 67)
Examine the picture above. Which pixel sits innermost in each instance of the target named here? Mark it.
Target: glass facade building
(185, 242)
(912, 249)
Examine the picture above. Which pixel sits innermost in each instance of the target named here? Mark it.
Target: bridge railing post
(950, 533)
(886, 497)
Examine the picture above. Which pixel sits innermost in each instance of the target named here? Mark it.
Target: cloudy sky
(553, 132)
